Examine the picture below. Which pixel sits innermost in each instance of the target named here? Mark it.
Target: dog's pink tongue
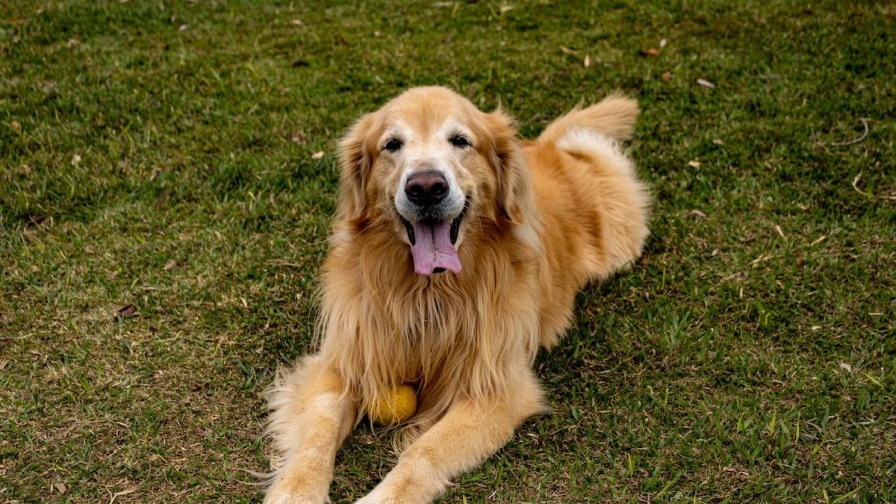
(433, 249)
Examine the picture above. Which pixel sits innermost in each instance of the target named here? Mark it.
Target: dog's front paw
(373, 500)
(293, 499)
(285, 491)
(378, 496)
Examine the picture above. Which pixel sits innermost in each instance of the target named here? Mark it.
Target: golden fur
(542, 218)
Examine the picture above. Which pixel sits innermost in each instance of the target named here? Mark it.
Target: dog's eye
(459, 141)
(392, 145)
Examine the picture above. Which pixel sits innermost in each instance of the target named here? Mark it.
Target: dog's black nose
(426, 188)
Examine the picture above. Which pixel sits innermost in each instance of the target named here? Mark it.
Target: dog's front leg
(467, 434)
(312, 413)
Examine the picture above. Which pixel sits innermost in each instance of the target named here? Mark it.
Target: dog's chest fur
(463, 332)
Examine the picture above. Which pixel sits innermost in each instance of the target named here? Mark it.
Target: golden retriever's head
(426, 165)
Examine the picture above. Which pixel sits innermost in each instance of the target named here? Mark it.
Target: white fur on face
(422, 151)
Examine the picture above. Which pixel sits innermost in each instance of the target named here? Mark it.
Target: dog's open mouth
(432, 244)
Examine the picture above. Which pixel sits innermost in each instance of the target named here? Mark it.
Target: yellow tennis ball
(394, 408)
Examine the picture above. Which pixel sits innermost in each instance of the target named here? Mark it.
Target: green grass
(749, 357)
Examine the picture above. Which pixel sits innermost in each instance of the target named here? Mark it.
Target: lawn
(167, 177)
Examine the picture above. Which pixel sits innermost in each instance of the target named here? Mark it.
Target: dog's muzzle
(432, 236)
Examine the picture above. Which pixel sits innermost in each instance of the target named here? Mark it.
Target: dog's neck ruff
(432, 249)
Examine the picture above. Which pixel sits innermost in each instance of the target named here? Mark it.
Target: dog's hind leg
(311, 415)
(458, 442)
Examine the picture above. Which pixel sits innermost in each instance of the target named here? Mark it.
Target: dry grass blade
(860, 138)
(121, 494)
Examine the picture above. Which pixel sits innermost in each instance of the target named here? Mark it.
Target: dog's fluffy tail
(613, 117)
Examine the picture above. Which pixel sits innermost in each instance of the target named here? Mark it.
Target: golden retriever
(456, 253)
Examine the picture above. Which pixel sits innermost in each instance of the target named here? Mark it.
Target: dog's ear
(355, 162)
(515, 198)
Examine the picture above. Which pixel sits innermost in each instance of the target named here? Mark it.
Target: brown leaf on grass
(667, 76)
(34, 220)
(171, 265)
(60, 487)
(16, 126)
(653, 51)
(317, 155)
(128, 311)
(183, 27)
